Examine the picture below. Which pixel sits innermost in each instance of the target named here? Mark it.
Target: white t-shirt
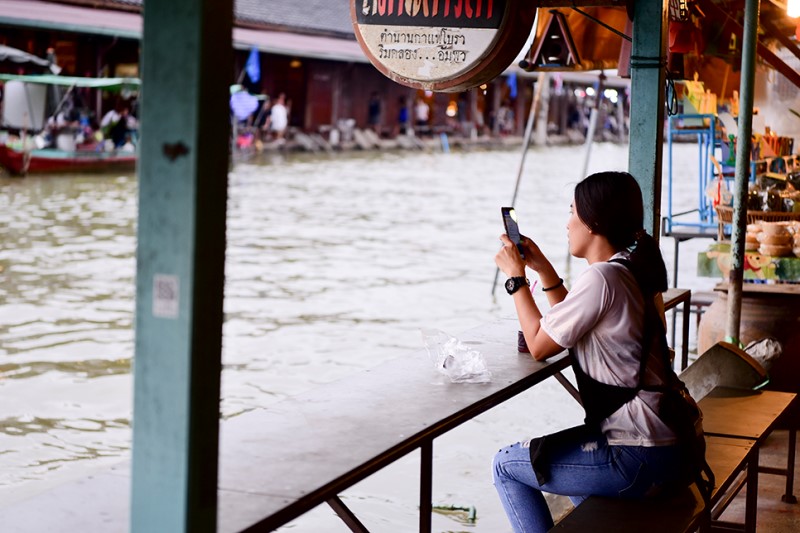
(422, 111)
(279, 117)
(109, 118)
(602, 318)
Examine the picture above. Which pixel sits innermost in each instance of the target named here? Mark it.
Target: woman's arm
(540, 345)
(552, 284)
(509, 261)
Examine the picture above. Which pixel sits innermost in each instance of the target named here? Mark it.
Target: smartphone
(512, 229)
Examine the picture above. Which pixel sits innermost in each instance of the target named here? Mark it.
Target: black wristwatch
(514, 284)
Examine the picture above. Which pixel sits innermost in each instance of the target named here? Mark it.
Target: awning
(111, 84)
(81, 19)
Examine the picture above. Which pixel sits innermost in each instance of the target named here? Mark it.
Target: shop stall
(770, 296)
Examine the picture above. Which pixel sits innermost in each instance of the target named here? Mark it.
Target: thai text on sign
(442, 45)
(463, 13)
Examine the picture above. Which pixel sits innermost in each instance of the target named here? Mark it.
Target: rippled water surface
(334, 264)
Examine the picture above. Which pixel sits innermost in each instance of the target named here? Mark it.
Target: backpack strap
(687, 422)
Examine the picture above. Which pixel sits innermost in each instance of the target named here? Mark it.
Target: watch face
(510, 285)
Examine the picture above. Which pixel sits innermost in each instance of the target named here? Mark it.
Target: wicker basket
(725, 215)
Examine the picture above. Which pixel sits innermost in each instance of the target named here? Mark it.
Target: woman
(279, 118)
(630, 445)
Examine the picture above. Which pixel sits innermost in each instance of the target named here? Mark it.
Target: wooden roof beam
(775, 33)
(734, 26)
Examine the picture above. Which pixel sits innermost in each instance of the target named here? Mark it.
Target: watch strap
(517, 282)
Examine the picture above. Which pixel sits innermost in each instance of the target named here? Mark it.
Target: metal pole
(537, 94)
(426, 486)
(590, 131)
(743, 143)
(543, 80)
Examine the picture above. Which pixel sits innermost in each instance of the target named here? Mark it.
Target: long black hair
(610, 204)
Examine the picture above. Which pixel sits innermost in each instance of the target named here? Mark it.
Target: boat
(19, 161)
(26, 153)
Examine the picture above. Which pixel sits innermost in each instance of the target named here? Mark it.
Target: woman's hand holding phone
(527, 252)
(508, 258)
(534, 258)
(512, 229)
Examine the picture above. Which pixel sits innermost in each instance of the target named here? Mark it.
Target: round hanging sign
(442, 45)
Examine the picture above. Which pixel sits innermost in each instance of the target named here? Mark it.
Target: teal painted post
(743, 143)
(186, 72)
(647, 105)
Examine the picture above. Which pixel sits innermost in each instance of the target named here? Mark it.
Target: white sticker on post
(166, 296)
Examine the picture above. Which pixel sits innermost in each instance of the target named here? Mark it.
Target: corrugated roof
(330, 17)
(61, 16)
(82, 18)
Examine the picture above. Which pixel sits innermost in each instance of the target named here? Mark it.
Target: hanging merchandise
(694, 98)
(684, 35)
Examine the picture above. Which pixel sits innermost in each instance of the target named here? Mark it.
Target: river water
(334, 264)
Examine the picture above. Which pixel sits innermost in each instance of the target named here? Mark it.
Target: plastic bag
(766, 351)
(455, 360)
(717, 190)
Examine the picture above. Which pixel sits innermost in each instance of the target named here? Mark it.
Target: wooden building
(306, 50)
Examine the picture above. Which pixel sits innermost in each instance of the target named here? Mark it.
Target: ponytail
(647, 264)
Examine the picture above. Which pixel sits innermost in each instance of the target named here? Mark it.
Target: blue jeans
(578, 470)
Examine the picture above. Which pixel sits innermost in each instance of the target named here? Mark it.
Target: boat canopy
(109, 84)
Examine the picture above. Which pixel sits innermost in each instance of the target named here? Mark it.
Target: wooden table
(757, 413)
(278, 463)
(728, 457)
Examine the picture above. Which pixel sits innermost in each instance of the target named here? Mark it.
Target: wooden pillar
(497, 86)
(519, 106)
(98, 96)
(186, 72)
(647, 105)
(543, 111)
(562, 102)
(336, 94)
(474, 112)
